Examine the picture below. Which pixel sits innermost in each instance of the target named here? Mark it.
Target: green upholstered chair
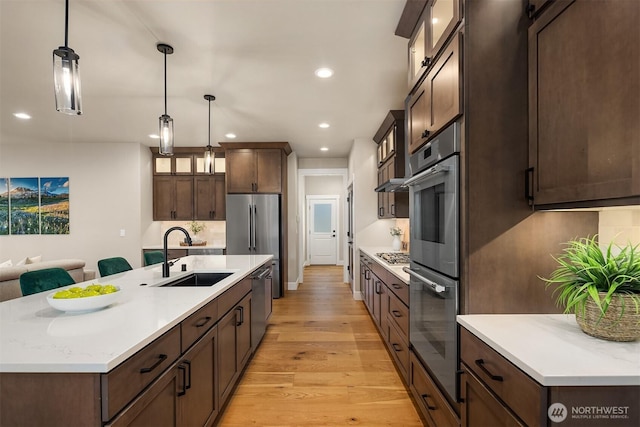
(153, 257)
(115, 265)
(46, 279)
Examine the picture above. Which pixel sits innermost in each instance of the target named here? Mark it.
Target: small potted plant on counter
(601, 288)
(396, 243)
(196, 227)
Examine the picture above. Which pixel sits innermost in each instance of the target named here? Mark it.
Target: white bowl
(83, 304)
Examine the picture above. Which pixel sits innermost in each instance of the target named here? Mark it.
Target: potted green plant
(601, 288)
(196, 227)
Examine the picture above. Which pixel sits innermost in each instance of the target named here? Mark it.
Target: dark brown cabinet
(584, 133)
(209, 200)
(172, 198)
(436, 102)
(182, 192)
(254, 170)
(234, 345)
(197, 398)
(432, 404)
(391, 166)
(436, 24)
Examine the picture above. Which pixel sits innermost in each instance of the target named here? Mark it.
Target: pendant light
(66, 74)
(166, 122)
(209, 157)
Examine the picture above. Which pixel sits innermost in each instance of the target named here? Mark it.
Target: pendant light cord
(165, 82)
(209, 144)
(66, 23)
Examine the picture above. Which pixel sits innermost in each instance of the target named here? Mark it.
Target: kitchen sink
(199, 279)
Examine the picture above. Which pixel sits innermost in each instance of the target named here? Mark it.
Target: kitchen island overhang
(36, 338)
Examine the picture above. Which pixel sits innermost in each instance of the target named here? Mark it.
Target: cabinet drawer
(399, 349)
(232, 296)
(400, 289)
(431, 402)
(194, 326)
(523, 395)
(399, 315)
(127, 380)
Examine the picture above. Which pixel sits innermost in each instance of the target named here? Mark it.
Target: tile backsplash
(619, 225)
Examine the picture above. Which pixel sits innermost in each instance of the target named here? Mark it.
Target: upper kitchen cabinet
(584, 132)
(436, 102)
(182, 190)
(172, 198)
(178, 164)
(391, 167)
(436, 24)
(209, 197)
(250, 168)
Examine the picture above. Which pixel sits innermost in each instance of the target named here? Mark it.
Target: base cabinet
(480, 407)
(432, 404)
(234, 334)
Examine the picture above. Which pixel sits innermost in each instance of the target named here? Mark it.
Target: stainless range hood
(394, 185)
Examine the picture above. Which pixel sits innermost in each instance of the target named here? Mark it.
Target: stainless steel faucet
(165, 264)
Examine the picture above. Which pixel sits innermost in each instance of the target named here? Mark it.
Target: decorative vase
(621, 322)
(396, 244)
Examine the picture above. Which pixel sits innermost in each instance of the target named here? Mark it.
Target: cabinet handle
(396, 313)
(184, 380)
(241, 310)
(203, 322)
(393, 209)
(396, 347)
(188, 383)
(381, 211)
(480, 363)
(161, 358)
(426, 61)
(396, 286)
(426, 402)
(531, 9)
(366, 275)
(426, 133)
(378, 287)
(528, 185)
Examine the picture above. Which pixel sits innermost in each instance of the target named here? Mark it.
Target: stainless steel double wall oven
(434, 193)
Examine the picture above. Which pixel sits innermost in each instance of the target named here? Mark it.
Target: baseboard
(293, 286)
(358, 296)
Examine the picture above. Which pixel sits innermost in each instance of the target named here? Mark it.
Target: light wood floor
(321, 363)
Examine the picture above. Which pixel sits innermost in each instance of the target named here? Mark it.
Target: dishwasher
(261, 303)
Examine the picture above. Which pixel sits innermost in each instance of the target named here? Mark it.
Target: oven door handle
(433, 285)
(429, 172)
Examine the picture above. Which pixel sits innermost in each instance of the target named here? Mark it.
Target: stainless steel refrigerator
(253, 228)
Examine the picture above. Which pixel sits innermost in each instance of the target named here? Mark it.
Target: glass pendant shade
(208, 160)
(166, 135)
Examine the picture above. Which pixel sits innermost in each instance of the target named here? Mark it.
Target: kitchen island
(60, 368)
(541, 369)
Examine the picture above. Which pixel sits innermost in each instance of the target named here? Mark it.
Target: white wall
(293, 263)
(106, 195)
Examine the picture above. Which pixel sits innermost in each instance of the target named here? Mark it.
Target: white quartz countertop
(395, 269)
(34, 337)
(553, 350)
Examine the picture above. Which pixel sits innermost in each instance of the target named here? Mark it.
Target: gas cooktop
(394, 257)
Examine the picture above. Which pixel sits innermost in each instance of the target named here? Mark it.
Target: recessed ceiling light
(324, 125)
(23, 116)
(324, 149)
(230, 135)
(324, 73)
(154, 136)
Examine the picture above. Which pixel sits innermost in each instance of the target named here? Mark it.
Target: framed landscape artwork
(34, 205)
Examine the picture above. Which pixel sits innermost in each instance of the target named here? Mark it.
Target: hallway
(321, 363)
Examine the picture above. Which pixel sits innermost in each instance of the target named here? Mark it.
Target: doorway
(322, 214)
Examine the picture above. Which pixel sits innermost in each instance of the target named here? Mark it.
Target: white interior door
(323, 240)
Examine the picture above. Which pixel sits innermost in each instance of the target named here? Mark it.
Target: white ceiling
(256, 56)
